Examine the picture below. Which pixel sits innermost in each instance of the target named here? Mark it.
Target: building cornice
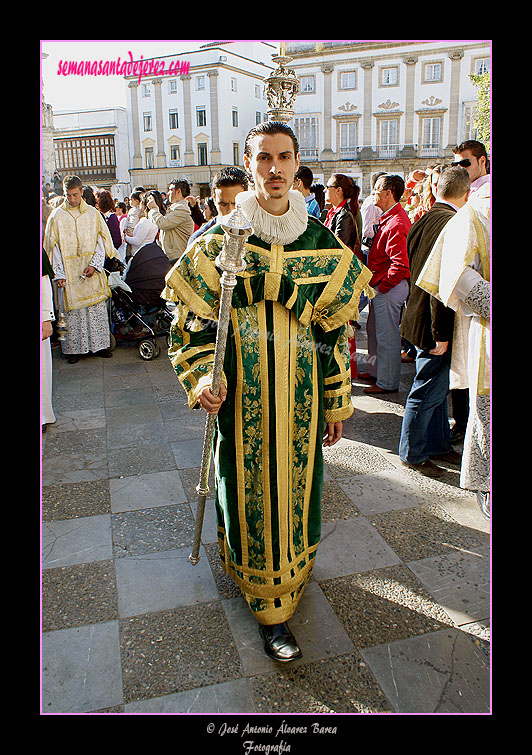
(394, 52)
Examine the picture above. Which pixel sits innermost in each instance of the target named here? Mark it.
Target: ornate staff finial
(282, 87)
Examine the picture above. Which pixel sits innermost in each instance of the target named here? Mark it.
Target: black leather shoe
(279, 642)
(451, 457)
(457, 434)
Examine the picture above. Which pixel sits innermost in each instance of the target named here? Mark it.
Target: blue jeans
(425, 429)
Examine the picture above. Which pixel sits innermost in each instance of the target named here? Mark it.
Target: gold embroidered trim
(338, 415)
(239, 444)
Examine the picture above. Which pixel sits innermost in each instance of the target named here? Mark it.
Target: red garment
(388, 255)
(332, 212)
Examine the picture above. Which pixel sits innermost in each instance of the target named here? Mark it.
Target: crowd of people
(415, 252)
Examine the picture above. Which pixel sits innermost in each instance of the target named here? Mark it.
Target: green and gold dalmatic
(287, 373)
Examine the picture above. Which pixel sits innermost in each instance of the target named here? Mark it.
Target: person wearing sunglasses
(472, 156)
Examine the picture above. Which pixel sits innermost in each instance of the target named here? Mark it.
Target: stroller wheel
(149, 349)
(112, 345)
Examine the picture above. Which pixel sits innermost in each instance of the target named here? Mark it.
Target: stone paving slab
(227, 697)
(459, 581)
(395, 618)
(77, 541)
(442, 672)
(81, 668)
(161, 581)
(146, 491)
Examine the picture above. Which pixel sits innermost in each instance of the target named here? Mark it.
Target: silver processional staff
(230, 261)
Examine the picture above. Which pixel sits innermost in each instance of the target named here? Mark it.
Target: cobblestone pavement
(394, 620)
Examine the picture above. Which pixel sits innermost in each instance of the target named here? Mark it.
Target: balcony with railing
(377, 152)
(309, 153)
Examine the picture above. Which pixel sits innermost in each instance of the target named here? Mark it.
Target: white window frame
(170, 114)
(433, 72)
(348, 139)
(431, 136)
(384, 75)
(388, 138)
(342, 85)
(307, 84)
(175, 149)
(306, 129)
(202, 149)
(481, 65)
(201, 115)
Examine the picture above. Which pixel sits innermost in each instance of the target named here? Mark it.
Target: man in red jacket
(388, 261)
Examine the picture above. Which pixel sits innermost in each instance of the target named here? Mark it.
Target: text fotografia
(250, 746)
(119, 67)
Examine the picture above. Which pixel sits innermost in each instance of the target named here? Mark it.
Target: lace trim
(275, 229)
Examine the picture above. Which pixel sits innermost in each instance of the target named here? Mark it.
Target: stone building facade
(393, 106)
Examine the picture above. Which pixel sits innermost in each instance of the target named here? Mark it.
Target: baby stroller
(137, 314)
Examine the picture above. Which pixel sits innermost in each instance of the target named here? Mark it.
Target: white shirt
(144, 233)
(370, 216)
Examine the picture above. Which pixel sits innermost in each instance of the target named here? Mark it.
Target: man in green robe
(286, 382)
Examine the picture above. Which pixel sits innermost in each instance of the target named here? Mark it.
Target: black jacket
(343, 225)
(426, 320)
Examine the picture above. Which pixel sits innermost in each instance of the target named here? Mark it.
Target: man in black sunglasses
(472, 156)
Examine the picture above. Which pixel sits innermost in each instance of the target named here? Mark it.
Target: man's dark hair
(270, 128)
(395, 184)
(305, 175)
(180, 183)
(453, 182)
(72, 182)
(477, 149)
(230, 176)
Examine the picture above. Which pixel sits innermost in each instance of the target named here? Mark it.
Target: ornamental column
(327, 69)
(215, 156)
(160, 160)
(137, 154)
(367, 153)
(409, 149)
(456, 58)
(189, 150)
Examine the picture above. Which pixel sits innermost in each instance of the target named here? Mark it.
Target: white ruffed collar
(275, 229)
